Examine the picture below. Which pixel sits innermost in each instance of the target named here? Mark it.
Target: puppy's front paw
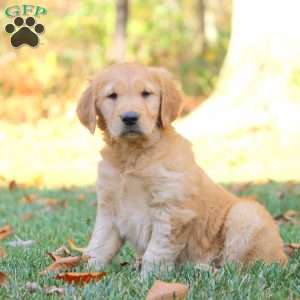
(94, 262)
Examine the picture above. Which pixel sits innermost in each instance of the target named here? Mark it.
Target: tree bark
(119, 46)
(257, 82)
(201, 20)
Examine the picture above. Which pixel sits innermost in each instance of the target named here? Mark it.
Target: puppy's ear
(171, 99)
(86, 110)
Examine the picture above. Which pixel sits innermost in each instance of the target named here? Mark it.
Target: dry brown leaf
(290, 216)
(61, 252)
(81, 278)
(52, 204)
(81, 197)
(5, 231)
(53, 256)
(74, 247)
(12, 185)
(54, 290)
(29, 199)
(46, 201)
(50, 201)
(64, 263)
(167, 291)
(290, 186)
(3, 279)
(2, 252)
(26, 216)
(289, 249)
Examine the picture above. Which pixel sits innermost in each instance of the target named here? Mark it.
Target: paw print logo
(24, 33)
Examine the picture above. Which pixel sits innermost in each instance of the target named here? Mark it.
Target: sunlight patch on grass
(60, 152)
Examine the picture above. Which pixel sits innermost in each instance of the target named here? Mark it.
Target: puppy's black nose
(130, 118)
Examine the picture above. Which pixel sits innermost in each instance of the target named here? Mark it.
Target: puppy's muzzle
(130, 118)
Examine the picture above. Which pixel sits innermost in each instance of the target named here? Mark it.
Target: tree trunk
(201, 25)
(259, 81)
(119, 46)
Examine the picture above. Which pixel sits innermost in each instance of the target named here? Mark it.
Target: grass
(51, 227)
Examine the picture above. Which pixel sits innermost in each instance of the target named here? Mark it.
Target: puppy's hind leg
(251, 234)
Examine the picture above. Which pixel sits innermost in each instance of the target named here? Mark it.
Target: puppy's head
(129, 101)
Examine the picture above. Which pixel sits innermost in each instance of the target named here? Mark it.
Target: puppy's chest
(131, 211)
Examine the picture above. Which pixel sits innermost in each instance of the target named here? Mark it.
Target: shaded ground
(73, 216)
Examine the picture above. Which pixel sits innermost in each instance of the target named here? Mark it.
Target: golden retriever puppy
(150, 190)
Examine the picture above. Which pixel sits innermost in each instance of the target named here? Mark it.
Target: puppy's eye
(146, 94)
(113, 96)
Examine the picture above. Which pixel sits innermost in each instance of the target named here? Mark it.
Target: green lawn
(52, 227)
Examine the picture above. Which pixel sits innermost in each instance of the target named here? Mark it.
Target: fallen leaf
(29, 199)
(26, 216)
(74, 247)
(12, 185)
(3, 279)
(54, 290)
(81, 197)
(46, 201)
(5, 231)
(290, 216)
(2, 252)
(61, 252)
(290, 186)
(54, 257)
(52, 204)
(50, 201)
(289, 249)
(81, 278)
(21, 243)
(64, 263)
(167, 291)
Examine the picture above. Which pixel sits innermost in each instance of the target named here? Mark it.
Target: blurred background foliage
(79, 39)
(254, 105)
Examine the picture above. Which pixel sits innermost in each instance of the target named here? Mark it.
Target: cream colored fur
(150, 190)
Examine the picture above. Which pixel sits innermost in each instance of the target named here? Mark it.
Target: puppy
(150, 190)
